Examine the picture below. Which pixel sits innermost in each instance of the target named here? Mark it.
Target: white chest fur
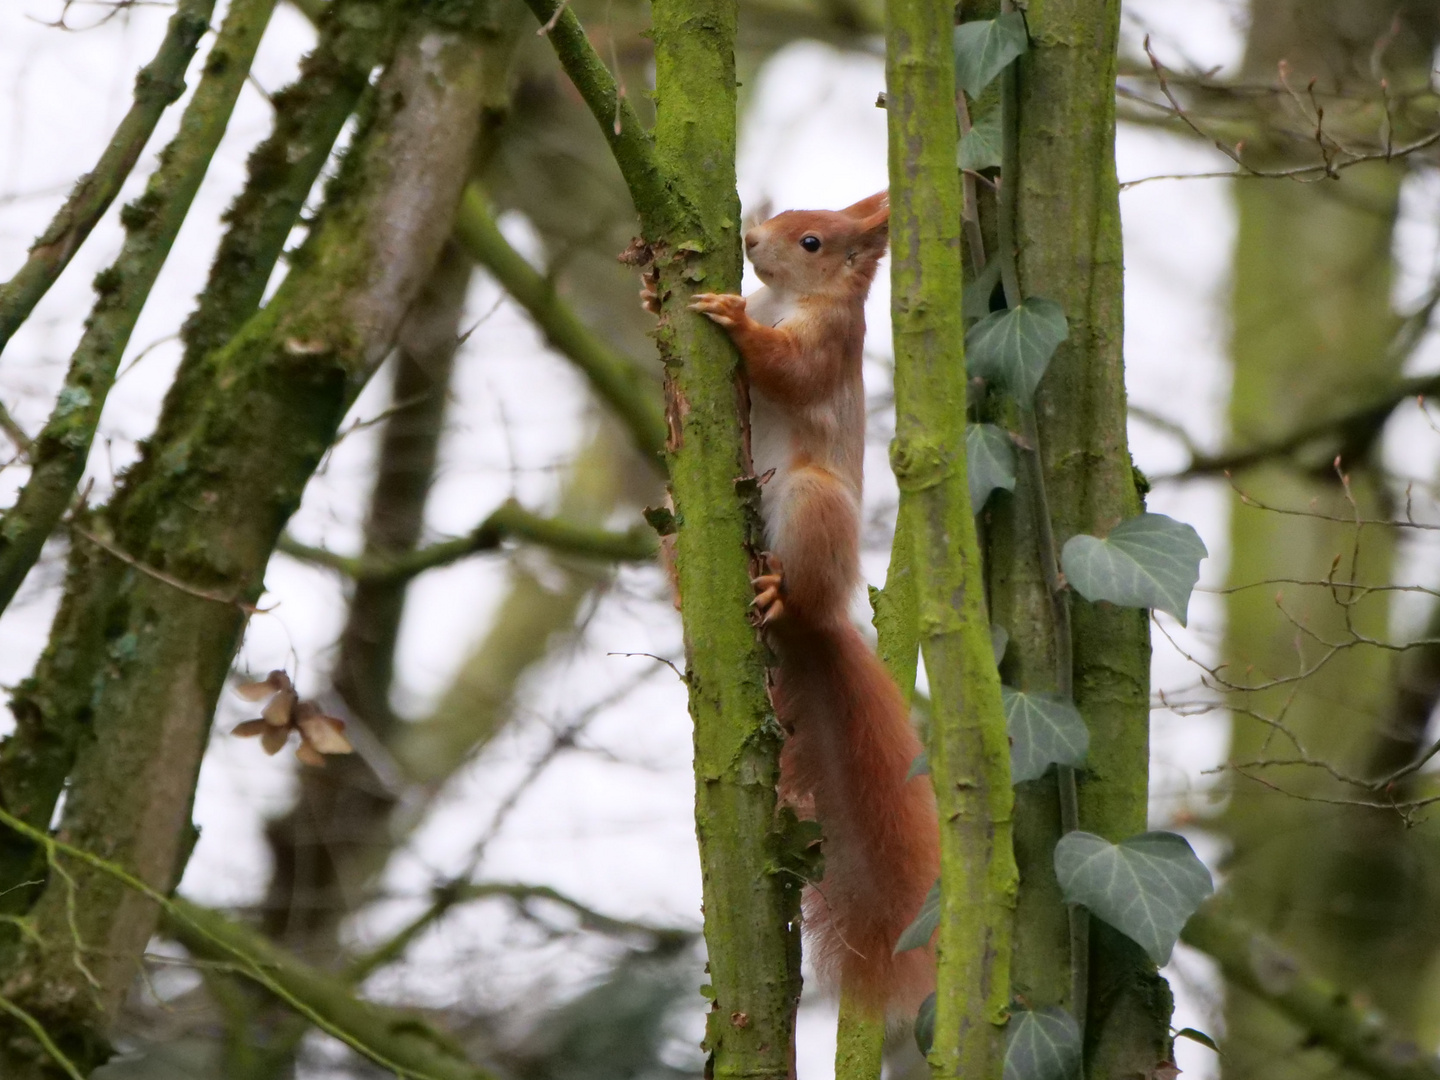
(771, 430)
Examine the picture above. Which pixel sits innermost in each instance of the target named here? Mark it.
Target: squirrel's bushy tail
(849, 749)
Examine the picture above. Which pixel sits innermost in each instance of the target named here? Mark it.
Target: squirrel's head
(821, 252)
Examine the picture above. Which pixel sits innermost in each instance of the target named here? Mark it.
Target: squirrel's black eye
(810, 243)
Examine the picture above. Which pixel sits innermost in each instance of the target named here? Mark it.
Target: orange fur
(849, 748)
(850, 741)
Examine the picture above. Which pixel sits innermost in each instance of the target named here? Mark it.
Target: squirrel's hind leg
(815, 540)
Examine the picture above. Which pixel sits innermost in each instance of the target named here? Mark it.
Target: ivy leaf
(1195, 1035)
(975, 297)
(1045, 729)
(984, 47)
(982, 146)
(1146, 887)
(999, 641)
(920, 766)
(989, 460)
(925, 1025)
(1042, 1044)
(1014, 347)
(918, 934)
(1150, 561)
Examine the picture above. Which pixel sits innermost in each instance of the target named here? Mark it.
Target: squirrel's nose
(751, 239)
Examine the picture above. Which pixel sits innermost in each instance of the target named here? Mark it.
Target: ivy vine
(1147, 886)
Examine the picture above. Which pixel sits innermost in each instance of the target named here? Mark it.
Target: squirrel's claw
(724, 309)
(649, 292)
(769, 587)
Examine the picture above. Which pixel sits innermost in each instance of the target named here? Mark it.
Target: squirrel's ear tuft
(875, 206)
(872, 217)
(758, 214)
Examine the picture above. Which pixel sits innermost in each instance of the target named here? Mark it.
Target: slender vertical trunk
(748, 856)
(1067, 236)
(969, 747)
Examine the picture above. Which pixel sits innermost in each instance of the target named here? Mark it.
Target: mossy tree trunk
(1064, 227)
(155, 604)
(682, 181)
(1068, 249)
(968, 746)
(751, 887)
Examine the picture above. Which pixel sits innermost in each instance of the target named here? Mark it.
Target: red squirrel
(850, 743)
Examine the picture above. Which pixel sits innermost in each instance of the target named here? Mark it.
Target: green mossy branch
(969, 746)
(749, 851)
(1350, 1028)
(510, 521)
(57, 458)
(619, 381)
(860, 1038)
(859, 1042)
(683, 185)
(158, 85)
(395, 1040)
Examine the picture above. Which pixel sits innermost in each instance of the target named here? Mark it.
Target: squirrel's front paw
(650, 292)
(726, 309)
(769, 605)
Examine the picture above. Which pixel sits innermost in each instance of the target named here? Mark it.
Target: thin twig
(1327, 169)
(161, 576)
(42, 1037)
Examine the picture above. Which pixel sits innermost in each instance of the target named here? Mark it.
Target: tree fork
(683, 185)
(309, 116)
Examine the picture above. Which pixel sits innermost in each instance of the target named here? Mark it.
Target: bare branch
(510, 521)
(1354, 427)
(157, 86)
(151, 222)
(1328, 168)
(619, 381)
